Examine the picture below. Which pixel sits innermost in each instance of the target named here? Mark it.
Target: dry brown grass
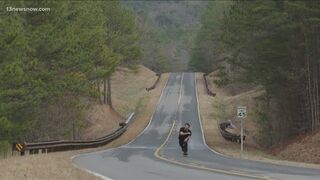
(305, 149)
(58, 165)
(223, 107)
(43, 166)
(142, 119)
(101, 120)
(128, 89)
(128, 95)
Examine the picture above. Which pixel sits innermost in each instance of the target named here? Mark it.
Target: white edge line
(180, 92)
(226, 156)
(95, 152)
(151, 118)
(198, 108)
(157, 152)
(91, 172)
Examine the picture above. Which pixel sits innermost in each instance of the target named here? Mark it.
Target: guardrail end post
(122, 124)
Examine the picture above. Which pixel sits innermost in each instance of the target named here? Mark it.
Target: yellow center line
(180, 91)
(194, 165)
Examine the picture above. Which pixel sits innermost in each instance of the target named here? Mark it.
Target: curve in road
(155, 154)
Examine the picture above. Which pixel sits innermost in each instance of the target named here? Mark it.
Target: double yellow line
(196, 166)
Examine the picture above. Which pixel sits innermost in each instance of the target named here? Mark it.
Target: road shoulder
(214, 139)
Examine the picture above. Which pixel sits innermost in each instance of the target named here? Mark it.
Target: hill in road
(167, 31)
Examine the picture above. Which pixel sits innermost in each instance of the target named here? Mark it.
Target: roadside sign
(242, 111)
(18, 147)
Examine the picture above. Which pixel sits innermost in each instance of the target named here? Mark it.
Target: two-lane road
(143, 159)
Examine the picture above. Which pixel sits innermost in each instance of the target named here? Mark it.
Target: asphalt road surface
(155, 153)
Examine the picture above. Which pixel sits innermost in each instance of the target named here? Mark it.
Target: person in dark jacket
(184, 136)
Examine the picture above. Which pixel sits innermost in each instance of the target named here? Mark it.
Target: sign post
(242, 113)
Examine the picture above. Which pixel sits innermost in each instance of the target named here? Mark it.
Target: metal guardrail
(227, 135)
(155, 83)
(210, 93)
(63, 145)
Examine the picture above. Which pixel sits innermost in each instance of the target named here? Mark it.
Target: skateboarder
(184, 136)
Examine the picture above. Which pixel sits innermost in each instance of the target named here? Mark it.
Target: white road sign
(242, 111)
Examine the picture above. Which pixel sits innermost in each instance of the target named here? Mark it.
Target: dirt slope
(304, 148)
(101, 120)
(223, 107)
(58, 165)
(128, 95)
(128, 88)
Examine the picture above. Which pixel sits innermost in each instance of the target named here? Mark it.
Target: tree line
(52, 63)
(270, 43)
(167, 31)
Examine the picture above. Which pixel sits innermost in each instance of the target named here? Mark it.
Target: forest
(53, 63)
(273, 44)
(167, 31)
